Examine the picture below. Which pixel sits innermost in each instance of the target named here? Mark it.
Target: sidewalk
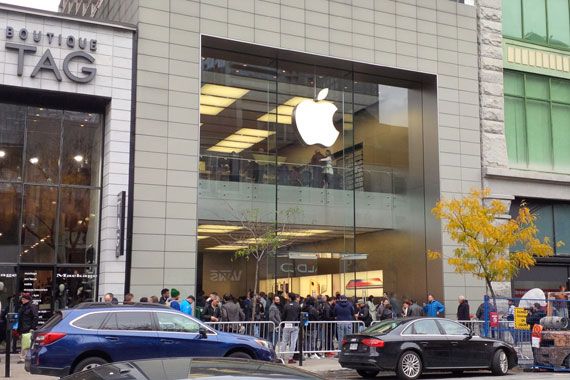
(320, 366)
(17, 371)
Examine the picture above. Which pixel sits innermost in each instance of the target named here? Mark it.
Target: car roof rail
(104, 305)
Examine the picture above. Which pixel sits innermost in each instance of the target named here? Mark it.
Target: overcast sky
(49, 5)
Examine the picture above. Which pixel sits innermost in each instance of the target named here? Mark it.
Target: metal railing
(258, 329)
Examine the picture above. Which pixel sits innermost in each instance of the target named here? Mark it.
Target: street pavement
(330, 369)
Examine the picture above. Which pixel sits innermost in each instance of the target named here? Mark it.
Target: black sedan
(193, 368)
(410, 346)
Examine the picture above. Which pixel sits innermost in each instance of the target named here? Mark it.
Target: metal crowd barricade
(319, 337)
(258, 329)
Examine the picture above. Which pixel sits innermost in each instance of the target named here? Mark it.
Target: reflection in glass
(74, 285)
(38, 224)
(39, 283)
(81, 150)
(10, 202)
(12, 123)
(42, 145)
(78, 226)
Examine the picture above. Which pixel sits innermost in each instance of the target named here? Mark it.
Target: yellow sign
(520, 319)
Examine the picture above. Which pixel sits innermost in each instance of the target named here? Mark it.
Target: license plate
(354, 346)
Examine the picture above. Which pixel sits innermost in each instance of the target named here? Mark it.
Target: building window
(552, 221)
(544, 22)
(537, 122)
(50, 183)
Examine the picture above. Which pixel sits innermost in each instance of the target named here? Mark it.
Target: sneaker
(291, 361)
(330, 354)
(20, 361)
(315, 356)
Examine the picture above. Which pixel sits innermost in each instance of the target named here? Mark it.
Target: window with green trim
(537, 122)
(544, 22)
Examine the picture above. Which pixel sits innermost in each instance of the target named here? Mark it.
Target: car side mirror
(203, 333)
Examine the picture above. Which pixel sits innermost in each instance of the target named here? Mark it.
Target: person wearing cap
(27, 320)
(174, 300)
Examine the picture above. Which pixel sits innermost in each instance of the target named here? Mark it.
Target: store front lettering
(299, 268)
(222, 275)
(47, 61)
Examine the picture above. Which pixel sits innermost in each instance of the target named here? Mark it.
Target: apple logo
(314, 120)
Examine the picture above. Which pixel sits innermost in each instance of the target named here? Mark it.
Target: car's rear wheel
(240, 355)
(409, 366)
(89, 363)
(500, 363)
(367, 373)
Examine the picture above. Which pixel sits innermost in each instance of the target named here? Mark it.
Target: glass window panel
(81, 150)
(539, 135)
(562, 227)
(515, 130)
(39, 283)
(8, 277)
(561, 137)
(534, 17)
(42, 145)
(537, 87)
(558, 22)
(38, 224)
(426, 327)
(544, 220)
(78, 226)
(512, 25)
(453, 328)
(91, 321)
(10, 203)
(560, 90)
(176, 323)
(12, 127)
(75, 285)
(514, 83)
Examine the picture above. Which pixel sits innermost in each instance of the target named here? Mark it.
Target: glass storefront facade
(50, 183)
(346, 197)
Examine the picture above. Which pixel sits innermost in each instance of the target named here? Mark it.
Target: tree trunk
(493, 296)
(255, 289)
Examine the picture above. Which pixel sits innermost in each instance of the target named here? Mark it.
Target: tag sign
(493, 319)
(47, 62)
(520, 319)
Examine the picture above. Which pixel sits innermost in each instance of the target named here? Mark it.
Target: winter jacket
(463, 311)
(481, 311)
(231, 312)
(386, 313)
(434, 309)
(27, 318)
(274, 315)
(292, 312)
(325, 312)
(211, 311)
(364, 315)
(415, 310)
(344, 311)
(186, 307)
(372, 309)
(534, 317)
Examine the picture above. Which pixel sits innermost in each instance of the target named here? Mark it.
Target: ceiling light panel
(215, 98)
(228, 247)
(282, 114)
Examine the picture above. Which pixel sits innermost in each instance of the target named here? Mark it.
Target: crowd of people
(286, 310)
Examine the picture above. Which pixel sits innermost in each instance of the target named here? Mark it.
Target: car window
(140, 321)
(425, 327)
(177, 323)
(90, 321)
(383, 327)
(54, 320)
(453, 328)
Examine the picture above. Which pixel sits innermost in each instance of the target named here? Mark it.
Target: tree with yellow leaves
(485, 241)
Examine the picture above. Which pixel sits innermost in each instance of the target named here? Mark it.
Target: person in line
(434, 308)
(344, 313)
(463, 309)
(291, 317)
(274, 316)
(186, 306)
(415, 309)
(212, 312)
(27, 320)
(164, 296)
(175, 299)
(231, 312)
(364, 313)
(406, 308)
(311, 332)
(371, 307)
(129, 299)
(144, 299)
(110, 298)
(153, 299)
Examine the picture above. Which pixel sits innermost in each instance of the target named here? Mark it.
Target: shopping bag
(26, 341)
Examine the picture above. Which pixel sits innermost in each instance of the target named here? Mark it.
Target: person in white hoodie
(371, 307)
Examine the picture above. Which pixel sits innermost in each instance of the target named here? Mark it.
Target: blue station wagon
(93, 334)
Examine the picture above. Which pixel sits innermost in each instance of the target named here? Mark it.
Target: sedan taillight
(343, 342)
(372, 342)
(43, 339)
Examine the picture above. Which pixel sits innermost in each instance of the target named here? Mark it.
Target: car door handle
(112, 338)
(424, 343)
(454, 343)
(166, 341)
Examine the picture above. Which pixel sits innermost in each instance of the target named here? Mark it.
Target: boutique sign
(24, 42)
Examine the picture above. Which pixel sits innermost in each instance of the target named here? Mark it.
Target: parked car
(93, 334)
(410, 346)
(194, 368)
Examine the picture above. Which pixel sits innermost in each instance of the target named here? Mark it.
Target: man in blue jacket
(344, 312)
(434, 308)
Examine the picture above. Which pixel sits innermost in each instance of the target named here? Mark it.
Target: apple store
(330, 157)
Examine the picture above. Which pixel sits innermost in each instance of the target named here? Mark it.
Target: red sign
(494, 319)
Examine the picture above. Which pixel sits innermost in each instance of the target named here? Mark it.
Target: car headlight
(264, 343)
